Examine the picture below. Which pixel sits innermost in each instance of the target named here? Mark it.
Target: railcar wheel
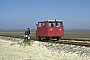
(39, 38)
(58, 38)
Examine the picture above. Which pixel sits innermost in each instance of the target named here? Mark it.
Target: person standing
(27, 33)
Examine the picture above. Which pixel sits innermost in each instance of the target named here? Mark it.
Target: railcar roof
(52, 21)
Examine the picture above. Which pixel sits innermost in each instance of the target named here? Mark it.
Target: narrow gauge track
(80, 42)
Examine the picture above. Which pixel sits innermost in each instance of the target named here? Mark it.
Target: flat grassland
(67, 33)
(77, 34)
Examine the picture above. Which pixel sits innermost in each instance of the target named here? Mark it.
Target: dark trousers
(25, 37)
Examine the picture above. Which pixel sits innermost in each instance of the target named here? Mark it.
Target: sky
(26, 13)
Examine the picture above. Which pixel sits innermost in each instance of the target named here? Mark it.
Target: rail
(80, 42)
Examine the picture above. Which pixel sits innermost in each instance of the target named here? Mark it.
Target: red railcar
(50, 29)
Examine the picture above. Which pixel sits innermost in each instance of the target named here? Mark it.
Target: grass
(77, 34)
(28, 42)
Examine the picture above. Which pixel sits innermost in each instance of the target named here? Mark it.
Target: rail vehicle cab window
(39, 25)
(44, 24)
(51, 24)
(58, 24)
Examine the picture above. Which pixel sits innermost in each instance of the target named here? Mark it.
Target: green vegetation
(77, 34)
(28, 42)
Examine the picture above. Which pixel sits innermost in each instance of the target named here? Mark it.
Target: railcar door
(39, 28)
(44, 30)
(59, 29)
(51, 29)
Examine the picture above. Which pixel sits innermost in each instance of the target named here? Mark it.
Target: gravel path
(10, 50)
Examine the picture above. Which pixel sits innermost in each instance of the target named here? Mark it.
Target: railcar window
(39, 25)
(61, 23)
(44, 24)
(51, 24)
(58, 24)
